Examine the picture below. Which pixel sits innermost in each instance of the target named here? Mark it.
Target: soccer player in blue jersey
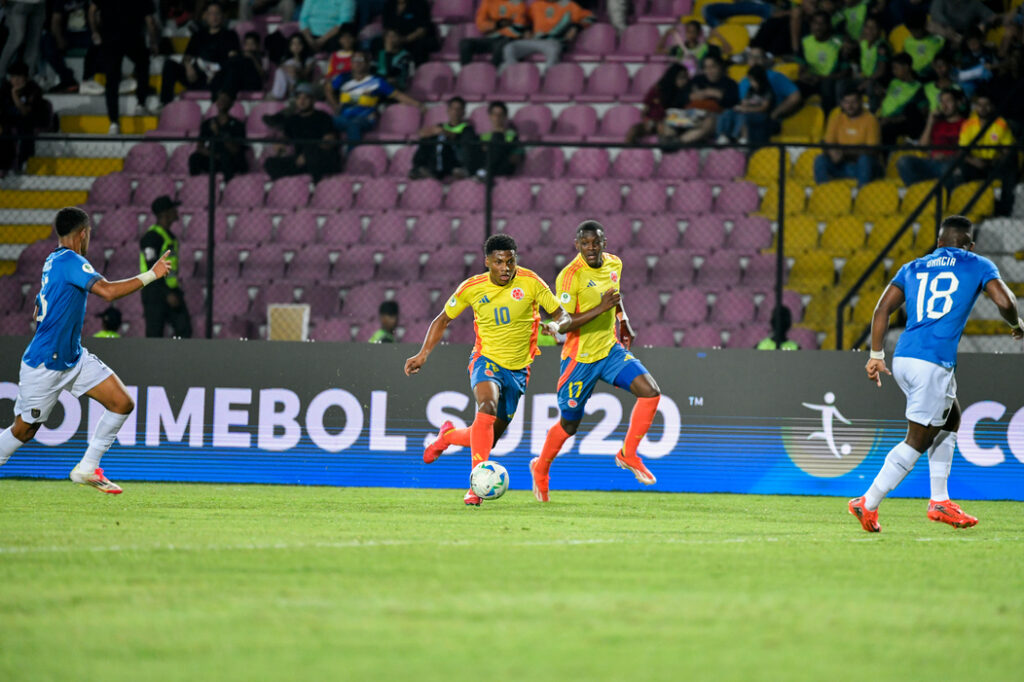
(940, 289)
(55, 360)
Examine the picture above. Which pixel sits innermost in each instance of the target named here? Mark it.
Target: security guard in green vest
(904, 106)
(782, 320)
(443, 148)
(111, 321)
(500, 147)
(163, 301)
(821, 64)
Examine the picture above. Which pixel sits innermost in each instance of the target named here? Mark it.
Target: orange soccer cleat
(435, 449)
(868, 519)
(540, 481)
(96, 479)
(471, 498)
(950, 512)
(636, 465)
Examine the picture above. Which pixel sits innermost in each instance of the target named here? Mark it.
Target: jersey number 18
(941, 288)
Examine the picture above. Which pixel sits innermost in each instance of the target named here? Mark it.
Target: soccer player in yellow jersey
(593, 352)
(505, 302)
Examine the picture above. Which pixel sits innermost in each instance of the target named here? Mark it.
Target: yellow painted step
(23, 234)
(31, 199)
(7, 267)
(99, 125)
(48, 165)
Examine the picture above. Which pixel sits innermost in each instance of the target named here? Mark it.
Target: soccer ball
(489, 480)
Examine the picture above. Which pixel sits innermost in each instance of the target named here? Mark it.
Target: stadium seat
(449, 51)
(252, 228)
(618, 231)
(558, 196)
(297, 228)
(829, 200)
(588, 163)
(341, 230)
(763, 166)
(387, 229)
(962, 195)
(703, 336)
(658, 233)
(805, 126)
(843, 235)
(420, 195)
(563, 82)
(120, 226)
(512, 195)
(737, 198)
(883, 230)
(180, 118)
(687, 307)
(593, 44)
(704, 234)
(311, 262)
(177, 164)
(642, 81)
(401, 162)
(378, 193)
(152, 187)
(803, 169)
(526, 229)
(336, 192)
(876, 199)
(724, 164)
(635, 43)
(733, 308)
(480, 119)
(913, 197)
(543, 162)
(633, 163)
(658, 335)
(575, 123)
(517, 82)
(244, 192)
(255, 128)
(691, 198)
(605, 83)
(748, 336)
(432, 228)
(807, 339)
(665, 11)
(680, 165)
(289, 192)
(857, 265)
(801, 233)
(812, 272)
(432, 81)
(750, 234)
(614, 125)
(476, 81)
(146, 158)
(367, 160)
(602, 196)
(645, 197)
(672, 270)
(466, 196)
(399, 122)
(533, 121)
(719, 270)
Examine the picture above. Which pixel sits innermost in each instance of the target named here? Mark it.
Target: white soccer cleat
(96, 479)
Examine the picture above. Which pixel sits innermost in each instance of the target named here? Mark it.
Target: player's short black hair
(497, 104)
(499, 242)
(957, 229)
(388, 308)
(254, 36)
(70, 219)
(903, 58)
(458, 99)
(590, 226)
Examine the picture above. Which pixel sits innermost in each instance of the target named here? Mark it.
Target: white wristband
(146, 277)
(1020, 323)
(878, 355)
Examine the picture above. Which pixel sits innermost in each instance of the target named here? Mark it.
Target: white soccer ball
(489, 480)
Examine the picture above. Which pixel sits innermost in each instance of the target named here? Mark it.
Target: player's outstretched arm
(433, 337)
(1004, 299)
(892, 298)
(111, 291)
(573, 321)
(626, 333)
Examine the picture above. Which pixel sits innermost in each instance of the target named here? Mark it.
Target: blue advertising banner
(346, 415)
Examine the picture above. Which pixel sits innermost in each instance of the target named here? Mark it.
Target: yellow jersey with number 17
(579, 290)
(505, 318)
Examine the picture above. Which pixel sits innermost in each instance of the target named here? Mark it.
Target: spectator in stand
(710, 94)
(975, 61)
(387, 313)
(321, 21)
(393, 63)
(780, 33)
(110, 319)
(314, 141)
(941, 130)
(163, 302)
(670, 93)
(68, 30)
(247, 9)
(921, 45)
(782, 320)
(23, 113)
(25, 19)
(785, 98)
(1009, 84)
(849, 125)
(952, 19)
(499, 22)
(1002, 164)
(341, 59)
(686, 43)
(206, 55)
(821, 65)
(360, 93)
(246, 72)
(942, 68)
(555, 26)
(119, 29)
(222, 138)
(905, 105)
(299, 67)
(445, 149)
(853, 15)
(872, 71)
(410, 19)
(750, 119)
(500, 151)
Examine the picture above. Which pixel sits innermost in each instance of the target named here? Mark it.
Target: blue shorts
(511, 383)
(577, 379)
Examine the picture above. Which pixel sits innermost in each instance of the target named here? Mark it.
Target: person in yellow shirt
(505, 302)
(849, 125)
(594, 351)
(982, 162)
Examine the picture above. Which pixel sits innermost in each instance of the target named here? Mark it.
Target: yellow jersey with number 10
(579, 289)
(505, 318)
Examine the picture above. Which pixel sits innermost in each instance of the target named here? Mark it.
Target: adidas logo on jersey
(591, 283)
(485, 299)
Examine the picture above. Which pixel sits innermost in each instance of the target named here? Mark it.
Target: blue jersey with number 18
(940, 290)
(60, 311)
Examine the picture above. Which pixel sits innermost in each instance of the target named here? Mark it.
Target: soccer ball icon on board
(489, 480)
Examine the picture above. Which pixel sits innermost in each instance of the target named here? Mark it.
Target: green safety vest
(897, 96)
(104, 334)
(923, 51)
(821, 57)
(169, 244)
(932, 92)
(869, 57)
(855, 17)
(381, 336)
(769, 344)
(510, 136)
(454, 129)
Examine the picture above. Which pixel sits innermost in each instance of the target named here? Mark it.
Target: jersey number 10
(940, 288)
(501, 316)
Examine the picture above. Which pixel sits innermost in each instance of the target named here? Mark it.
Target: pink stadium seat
(476, 81)
(311, 261)
(447, 263)
(633, 163)
(399, 122)
(297, 228)
(691, 198)
(673, 269)
(635, 43)
(737, 197)
(760, 271)
(588, 163)
(450, 48)
(525, 229)
(120, 226)
(562, 83)
(658, 335)
(518, 81)
(533, 121)
(432, 81)
(152, 187)
(465, 195)
(324, 299)
(791, 299)
(334, 329)
(421, 195)
(556, 196)
(606, 83)
(342, 229)
(805, 338)
(481, 120)
(602, 196)
(434, 229)
(659, 232)
(575, 123)
(254, 125)
(642, 81)
(452, 11)
(196, 225)
(403, 263)
(264, 262)
(701, 337)
(682, 165)
(435, 115)
(646, 197)
(733, 308)
(719, 270)
(543, 162)
(401, 162)
(687, 307)
(252, 228)
(747, 337)
(615, 123)
(618, 231)
(593, 44)
(114, 189)
(470, 232)
(750, 233)
(244, 192)
(415, 303)
(289, 192)
(704, 234)
(180, 117)
(387, 229)
(367, 160)
(177, 165)
(146, 158)
(356, 264)
(237, 111)
(511, 195)
(724, 164)
(334, 193)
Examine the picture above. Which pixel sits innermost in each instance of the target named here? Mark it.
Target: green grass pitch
(217, 582)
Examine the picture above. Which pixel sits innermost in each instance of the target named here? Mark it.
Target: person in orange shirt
(499, 22)
(849, 124)
(555, 24)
